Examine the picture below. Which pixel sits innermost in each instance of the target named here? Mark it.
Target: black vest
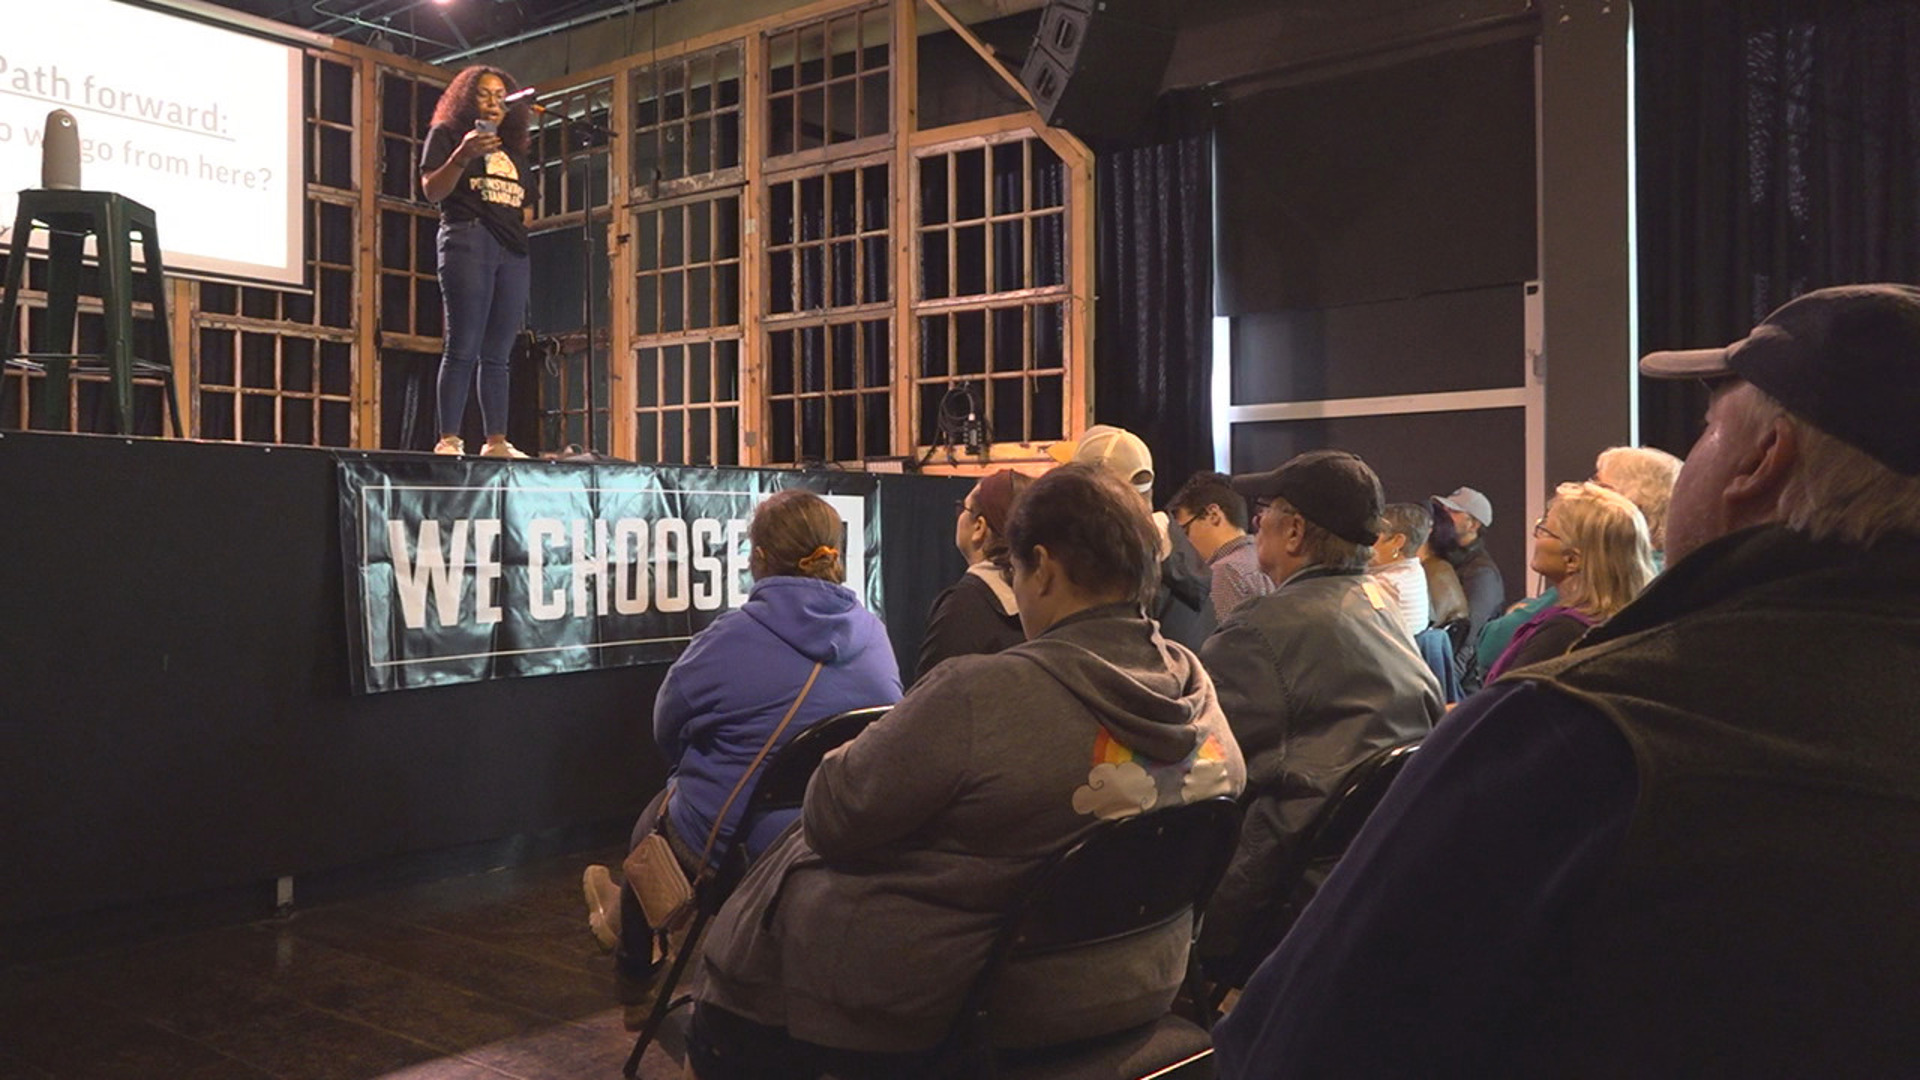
(1764, 916)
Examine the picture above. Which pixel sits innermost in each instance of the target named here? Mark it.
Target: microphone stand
(600, 131)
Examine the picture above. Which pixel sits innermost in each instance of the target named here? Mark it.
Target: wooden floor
(476, 978)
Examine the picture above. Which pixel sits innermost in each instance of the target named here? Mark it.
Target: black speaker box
(1095, 66)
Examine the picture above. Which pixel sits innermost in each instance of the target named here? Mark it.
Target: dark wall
(956, 85)
(1232, 43)
(176, 712)
(1443, 342)
(1400, 181)
(1376, 231)
(1418, 456)
(917, 556)
(175, 716)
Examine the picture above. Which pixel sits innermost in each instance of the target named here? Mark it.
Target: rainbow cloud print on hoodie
(1123, 783)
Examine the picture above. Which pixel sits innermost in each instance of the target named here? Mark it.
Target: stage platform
(181, 738)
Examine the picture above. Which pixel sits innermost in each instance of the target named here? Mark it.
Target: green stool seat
(112, 220)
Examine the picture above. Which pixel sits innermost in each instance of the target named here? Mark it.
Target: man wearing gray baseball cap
(1314, 677)
(1692, 845)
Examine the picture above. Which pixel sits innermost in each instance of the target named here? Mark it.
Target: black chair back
(1318, 848)
(1340, 820)
(1127, 877)
(783, 782)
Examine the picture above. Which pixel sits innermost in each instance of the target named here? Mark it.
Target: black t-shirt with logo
(491, 189)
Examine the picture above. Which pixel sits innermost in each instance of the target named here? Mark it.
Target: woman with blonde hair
(801, 635)
(1592, 546)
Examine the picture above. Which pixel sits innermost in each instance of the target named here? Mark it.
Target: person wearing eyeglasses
(1214, 517)
(1314, 678)
(978, 614)
(1592, 547)
(1641, 473)
(475, 165)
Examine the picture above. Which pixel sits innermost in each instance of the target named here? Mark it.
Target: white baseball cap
(1114, 449)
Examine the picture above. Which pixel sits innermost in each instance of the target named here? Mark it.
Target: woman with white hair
(1644, 474)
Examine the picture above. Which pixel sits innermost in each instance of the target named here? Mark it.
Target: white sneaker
(503, 449)
(451, 445)
(603, 906)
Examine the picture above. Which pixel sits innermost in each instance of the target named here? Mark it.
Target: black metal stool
(112, 220)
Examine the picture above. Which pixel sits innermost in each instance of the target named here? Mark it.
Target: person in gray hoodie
(851, 943)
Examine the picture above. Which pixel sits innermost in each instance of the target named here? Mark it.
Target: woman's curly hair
(458, 108)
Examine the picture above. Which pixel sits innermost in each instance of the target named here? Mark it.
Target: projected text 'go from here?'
(87, 93)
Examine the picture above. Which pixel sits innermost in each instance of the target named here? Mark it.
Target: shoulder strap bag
(666, 894)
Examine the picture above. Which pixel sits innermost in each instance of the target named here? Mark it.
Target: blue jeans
(483, 291)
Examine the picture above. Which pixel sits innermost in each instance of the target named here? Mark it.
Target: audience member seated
(1181, 602)
(1688, 847)
(1444, 594)
(1461, 542)
(1313, 677)
(1397, 568)
(1592, 548)
(1465, 547)
(1641, 473)
(724, 697)
(850, 944)
(977, 614)
(1645, 475)
(1214, 517)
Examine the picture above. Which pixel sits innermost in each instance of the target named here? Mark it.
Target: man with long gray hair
(1692, 845)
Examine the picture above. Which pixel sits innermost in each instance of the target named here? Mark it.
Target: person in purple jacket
(728, 692)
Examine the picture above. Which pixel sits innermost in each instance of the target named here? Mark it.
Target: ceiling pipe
(627, 8)
(358, 17)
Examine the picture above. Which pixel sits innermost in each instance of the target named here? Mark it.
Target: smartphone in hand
(486, 127)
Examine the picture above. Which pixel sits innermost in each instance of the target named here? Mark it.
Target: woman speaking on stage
(474, 165)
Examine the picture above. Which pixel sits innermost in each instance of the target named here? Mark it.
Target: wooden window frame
(682, 413)
(952, 304)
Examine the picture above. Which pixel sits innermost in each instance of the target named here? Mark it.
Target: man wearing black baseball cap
(1314, 677)
(1693, 844)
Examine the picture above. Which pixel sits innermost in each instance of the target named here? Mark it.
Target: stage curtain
(1779, 151)
(1153, 322)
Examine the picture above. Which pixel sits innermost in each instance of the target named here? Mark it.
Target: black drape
(1779, 151)
(1153, 322)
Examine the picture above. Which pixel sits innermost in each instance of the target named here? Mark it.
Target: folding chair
(1129, 878)
(1319, 847)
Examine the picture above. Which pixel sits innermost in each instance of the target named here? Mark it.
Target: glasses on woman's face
(962, 506)
(1540, 529)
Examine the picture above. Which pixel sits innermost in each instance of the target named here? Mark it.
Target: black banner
(468, 570)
